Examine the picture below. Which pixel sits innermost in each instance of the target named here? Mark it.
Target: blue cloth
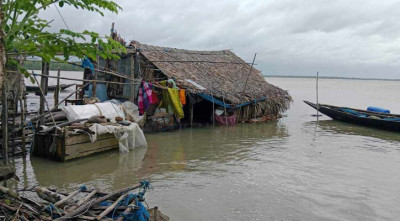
(87, 64)
(353, 112)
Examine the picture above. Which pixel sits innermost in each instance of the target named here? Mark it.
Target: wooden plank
(83, 138)
(89, 146)
(82, 154)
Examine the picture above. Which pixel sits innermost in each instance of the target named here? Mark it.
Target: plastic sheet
(129, 137)
(108, 110)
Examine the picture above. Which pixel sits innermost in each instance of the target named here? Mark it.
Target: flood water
(294, 168)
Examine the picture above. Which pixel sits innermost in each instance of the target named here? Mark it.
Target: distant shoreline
(328, 77)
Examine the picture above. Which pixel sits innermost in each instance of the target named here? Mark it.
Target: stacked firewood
(81, 204)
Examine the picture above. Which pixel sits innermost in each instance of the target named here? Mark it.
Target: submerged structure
(158, 89)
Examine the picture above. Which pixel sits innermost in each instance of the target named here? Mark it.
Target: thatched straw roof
(220, 73)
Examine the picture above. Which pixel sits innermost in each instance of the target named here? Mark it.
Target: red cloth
(228, 121)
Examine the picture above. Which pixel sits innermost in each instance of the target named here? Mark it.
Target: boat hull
(336, 114)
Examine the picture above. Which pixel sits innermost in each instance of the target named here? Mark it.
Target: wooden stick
(110, 208)
(84, 200)
(65, 199)
(90, 204)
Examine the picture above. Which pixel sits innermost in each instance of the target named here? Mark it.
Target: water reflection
(342, 128)
(168, 154)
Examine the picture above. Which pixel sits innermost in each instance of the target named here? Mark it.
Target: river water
(294, 168)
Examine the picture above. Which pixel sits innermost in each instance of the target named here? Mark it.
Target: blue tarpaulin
(222, 104)
(212, 99)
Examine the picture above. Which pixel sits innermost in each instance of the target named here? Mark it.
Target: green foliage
(25, 32)
(34, 65)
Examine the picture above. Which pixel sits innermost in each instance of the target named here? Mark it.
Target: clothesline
(85, 80)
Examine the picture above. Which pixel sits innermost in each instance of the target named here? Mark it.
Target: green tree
(27, 33)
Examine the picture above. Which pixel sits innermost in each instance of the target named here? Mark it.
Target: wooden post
(132, 98)
(57, 92)
(43, 85)
(4, 120)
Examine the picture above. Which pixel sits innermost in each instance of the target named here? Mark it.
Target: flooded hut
(220, 87)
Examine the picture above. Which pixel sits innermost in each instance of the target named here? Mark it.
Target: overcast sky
(357, 38)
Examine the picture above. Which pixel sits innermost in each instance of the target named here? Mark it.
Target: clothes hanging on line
(182, 96)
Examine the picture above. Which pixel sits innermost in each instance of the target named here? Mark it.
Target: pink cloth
(228, 121)
(140, 101)
(148, 92)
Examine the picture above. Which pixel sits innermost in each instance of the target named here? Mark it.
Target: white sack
(108, 110)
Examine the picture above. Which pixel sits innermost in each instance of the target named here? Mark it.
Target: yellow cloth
(176, 102)
(171, 100)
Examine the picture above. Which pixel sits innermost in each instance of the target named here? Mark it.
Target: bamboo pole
(317, 97)
(248, 76)
(57, 92)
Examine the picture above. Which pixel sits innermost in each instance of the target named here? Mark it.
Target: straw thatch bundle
(221, 74)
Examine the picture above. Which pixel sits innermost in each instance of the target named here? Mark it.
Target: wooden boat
(50, 87)
(360, 117)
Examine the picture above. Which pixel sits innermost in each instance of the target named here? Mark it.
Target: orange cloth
(182, 96)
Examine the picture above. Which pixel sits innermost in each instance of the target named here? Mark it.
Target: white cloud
(338, 38)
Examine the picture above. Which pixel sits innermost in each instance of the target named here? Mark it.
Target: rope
(65, 23)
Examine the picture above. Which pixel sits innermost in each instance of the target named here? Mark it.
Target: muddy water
(291, 169)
